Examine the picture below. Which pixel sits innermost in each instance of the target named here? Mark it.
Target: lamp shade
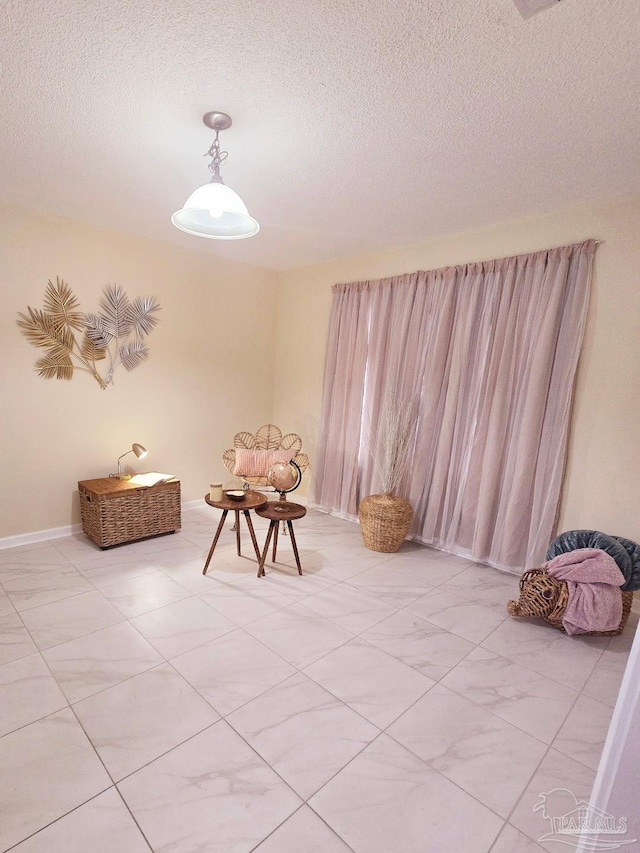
(217, 212)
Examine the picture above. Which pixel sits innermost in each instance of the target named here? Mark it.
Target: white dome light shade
(215, 211)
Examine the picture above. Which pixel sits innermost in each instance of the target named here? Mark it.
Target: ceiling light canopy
(215, 210)
(527, 8)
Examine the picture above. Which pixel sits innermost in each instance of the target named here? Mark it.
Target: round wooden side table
(277, 511)
(251, 500)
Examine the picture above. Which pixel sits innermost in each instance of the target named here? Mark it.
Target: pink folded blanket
(594, 581)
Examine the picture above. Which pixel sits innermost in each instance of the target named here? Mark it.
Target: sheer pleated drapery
(486, 354)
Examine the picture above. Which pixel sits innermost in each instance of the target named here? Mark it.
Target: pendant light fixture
(215, 210)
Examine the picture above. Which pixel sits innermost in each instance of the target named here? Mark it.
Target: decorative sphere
(283, 476)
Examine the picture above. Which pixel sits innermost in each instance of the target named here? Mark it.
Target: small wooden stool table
(251, 500)
(277, 511)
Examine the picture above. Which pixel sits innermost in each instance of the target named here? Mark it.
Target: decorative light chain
(218, 157)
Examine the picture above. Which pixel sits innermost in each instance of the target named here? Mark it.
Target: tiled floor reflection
(380, 703)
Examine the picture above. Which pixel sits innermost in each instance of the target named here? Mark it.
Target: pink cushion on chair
(256, 463)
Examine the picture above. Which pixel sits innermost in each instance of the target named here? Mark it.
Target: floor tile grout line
(282, 823)
(152, 569)
(524, 792)
(552, 745)
(250, 621)
(46, 716)
(551, 678)
(299, 671)
(547, 751)
(123, 618)
(385, 733)
(333, 829)
(222, 720)
(193, 648)
(210, 703)
(93, 746)
(490, 710)
(138, 577)
(108, 687)
(133, 817)
(340, 625)
(299, 601)
(308, 663)
(357, 636)
(55, 601)
(61, 817)
(80, 637)
(42, 572)
(223, 716)
(70, 704)
(497, 838)
(428, 763)
(341, 702)
(452, 781)
(116, 783)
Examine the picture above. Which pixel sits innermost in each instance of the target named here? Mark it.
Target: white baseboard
(294, 499)
(197, 504)
(39, 536)
(67, 530)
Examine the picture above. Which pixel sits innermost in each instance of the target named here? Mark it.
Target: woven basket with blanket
(546, 597)
(585, 587)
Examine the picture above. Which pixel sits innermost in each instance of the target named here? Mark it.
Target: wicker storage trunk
(114, 511)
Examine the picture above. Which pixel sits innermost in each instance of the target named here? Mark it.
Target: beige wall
(208, 374)
(603, 472)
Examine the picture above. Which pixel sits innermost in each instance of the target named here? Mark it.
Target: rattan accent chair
(267, 437)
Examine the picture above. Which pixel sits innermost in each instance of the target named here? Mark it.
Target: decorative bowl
(236, 495)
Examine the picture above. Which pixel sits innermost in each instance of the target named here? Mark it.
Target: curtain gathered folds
(486, 355)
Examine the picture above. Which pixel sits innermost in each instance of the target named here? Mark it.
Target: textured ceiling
(358, 124)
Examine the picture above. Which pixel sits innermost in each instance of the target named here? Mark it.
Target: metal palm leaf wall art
(113, 336)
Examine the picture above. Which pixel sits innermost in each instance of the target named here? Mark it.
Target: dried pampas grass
(393, 440)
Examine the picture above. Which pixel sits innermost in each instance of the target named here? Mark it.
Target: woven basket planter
(384, 522)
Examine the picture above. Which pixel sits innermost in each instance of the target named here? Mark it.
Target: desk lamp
(140, 452)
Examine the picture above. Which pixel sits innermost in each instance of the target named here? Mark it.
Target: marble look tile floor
(380, 703)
